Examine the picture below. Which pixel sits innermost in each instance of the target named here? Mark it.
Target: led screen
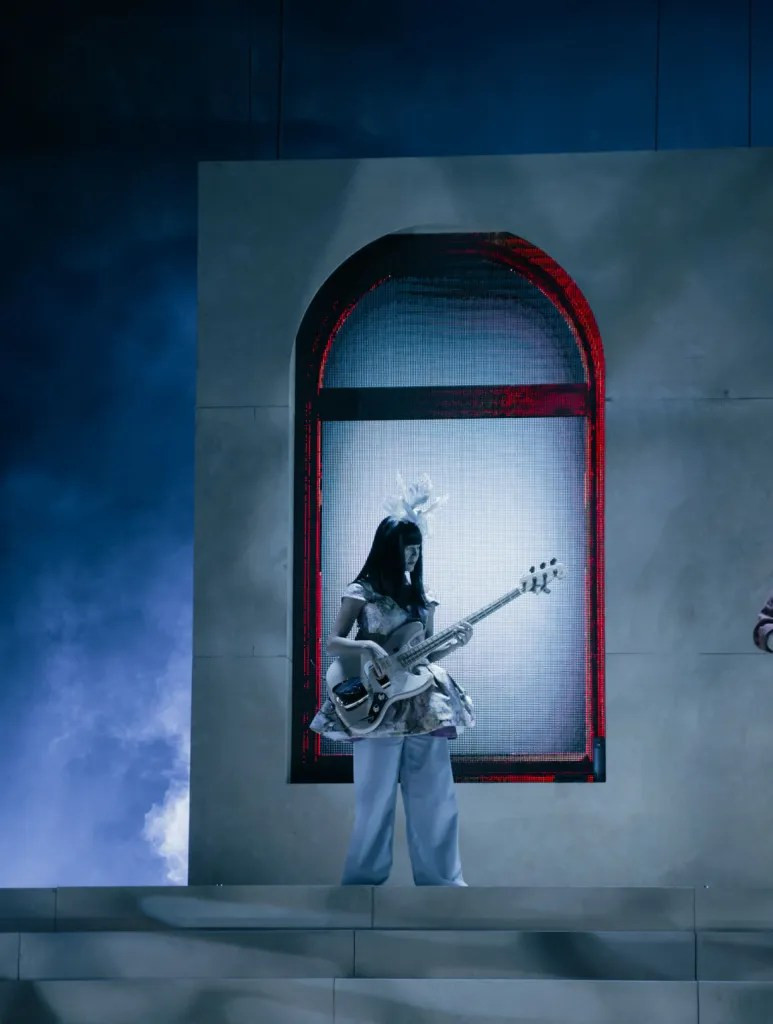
(516, 496)
(483, 325)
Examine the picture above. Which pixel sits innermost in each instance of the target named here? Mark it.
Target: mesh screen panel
(516, 498)
(485, 326)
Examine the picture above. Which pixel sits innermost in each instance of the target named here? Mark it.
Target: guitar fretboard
(439, 639)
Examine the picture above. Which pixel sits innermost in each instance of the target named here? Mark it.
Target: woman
(410, 744)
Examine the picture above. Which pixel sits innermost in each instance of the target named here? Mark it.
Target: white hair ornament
(415, 502)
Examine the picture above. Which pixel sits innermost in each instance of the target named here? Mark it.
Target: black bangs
(411, 534)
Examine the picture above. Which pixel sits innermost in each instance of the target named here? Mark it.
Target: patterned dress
(442, 709)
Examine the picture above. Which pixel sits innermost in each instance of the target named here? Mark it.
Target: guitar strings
(420, 649)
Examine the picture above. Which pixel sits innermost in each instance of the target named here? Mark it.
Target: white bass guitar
(363, 688)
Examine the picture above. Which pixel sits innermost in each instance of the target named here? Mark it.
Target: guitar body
(360, 698)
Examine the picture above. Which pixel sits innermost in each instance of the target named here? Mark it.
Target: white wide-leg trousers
(422, 766)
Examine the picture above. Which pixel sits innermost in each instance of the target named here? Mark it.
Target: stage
(325, 954)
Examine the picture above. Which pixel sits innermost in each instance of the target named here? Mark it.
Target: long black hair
(384, 568)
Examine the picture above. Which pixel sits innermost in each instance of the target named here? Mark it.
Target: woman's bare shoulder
(360, 590)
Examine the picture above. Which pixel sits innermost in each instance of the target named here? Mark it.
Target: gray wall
(672, 252)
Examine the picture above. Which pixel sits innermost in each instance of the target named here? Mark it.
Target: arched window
(476, 359)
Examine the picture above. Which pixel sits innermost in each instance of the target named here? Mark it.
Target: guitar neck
(438, 640)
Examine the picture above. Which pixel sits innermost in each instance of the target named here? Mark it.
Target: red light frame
(419, 255)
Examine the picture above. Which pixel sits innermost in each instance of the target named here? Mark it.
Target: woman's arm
(338, 642)
(429, 629)
(459, 640)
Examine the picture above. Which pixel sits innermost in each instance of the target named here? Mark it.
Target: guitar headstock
(538, 578)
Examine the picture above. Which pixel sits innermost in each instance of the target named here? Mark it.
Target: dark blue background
(104, 119)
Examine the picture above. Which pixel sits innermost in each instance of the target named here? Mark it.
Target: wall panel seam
(250, 406)
(241, 657)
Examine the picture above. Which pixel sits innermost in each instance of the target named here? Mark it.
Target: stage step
(327, 955)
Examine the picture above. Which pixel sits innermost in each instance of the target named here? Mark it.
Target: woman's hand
(375, 652)
(462, 634)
